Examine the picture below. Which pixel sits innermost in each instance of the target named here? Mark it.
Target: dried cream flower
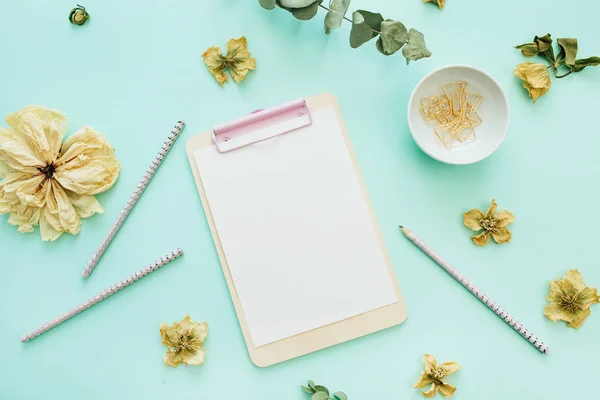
(536, 78)
(570, 299)
(49, 183)
(237, 59)
(184, 340)
(493, 224)
(439, 3)
(434, 374)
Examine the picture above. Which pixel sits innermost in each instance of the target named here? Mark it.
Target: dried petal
(555, 313)
(88, 164)
(482, 239)
(196, 358)
(424, 380)
(450, 367)
(430, 362)
(501, 235)
(43, 128)
(4, 169)
(578, 317)
(238, 59)
(491, 211)
(504, 218)
(472, 218)
(216, 64)
(575, 278)
(432, 391)
(85, 205)
(17, 153)
(447, 390)
(536, 78)
(587, 297)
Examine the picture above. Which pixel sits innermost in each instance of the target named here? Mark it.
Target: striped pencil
(102, 295)
(485, 299)
(133, 199)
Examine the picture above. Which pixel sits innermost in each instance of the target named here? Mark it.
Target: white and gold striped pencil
(102, 295)
(133, 199)
(485, 299)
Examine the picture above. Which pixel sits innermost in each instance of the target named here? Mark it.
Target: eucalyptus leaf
(335, 15)
(320, 388)
(568, 50)
(365, 26)
(393, 36)
(586, 62)
(415, 48)
(268, 4)
(302, 13)
(307, 389)
(320, 396)
(340, 396)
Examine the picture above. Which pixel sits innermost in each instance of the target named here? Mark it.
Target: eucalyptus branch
(330, 10)
(563, 75)
(391, 35)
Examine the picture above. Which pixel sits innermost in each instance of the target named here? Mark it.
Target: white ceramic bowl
(493, 111)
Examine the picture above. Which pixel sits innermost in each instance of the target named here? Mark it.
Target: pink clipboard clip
(261, 125)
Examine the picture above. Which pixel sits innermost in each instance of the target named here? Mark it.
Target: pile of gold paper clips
(454, 113)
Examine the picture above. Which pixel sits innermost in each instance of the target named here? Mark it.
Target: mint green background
(135, 70)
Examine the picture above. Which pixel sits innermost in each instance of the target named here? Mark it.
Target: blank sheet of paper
(296, 231)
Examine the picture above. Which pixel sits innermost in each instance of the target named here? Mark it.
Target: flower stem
(563, 75)
(347, 19)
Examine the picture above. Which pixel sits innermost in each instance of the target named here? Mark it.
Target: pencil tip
(401, 226)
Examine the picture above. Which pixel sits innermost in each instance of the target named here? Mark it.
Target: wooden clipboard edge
(329, 335)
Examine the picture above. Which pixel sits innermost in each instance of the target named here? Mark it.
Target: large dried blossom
(47, 182)
(494, 224)
(434, 375)
(184, 340)
(570, 299)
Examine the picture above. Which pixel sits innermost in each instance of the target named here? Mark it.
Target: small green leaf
(568, 50)
(320, 388)
(267, 4)
(303, 13)
(311, 384)
(307, 389)
(545, 49)
(415, 48)
(335, 16)
(320, 396)
(365, 26)
(340, 396)
(528, 49)
(393, 36)
(585, 62)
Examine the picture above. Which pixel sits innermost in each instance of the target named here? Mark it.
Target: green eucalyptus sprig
(320, 392)
(392, 35)
(536, 77)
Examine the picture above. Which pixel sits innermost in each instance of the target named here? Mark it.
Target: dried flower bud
(79, 15)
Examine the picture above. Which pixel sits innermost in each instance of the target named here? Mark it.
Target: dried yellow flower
(184, 340)
(439, 3)
(49, 183)
(493, 223)
(570, 299)
(434, 374)
(536, 78)
(237, 59)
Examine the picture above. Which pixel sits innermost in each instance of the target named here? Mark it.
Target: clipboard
(271, 122)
